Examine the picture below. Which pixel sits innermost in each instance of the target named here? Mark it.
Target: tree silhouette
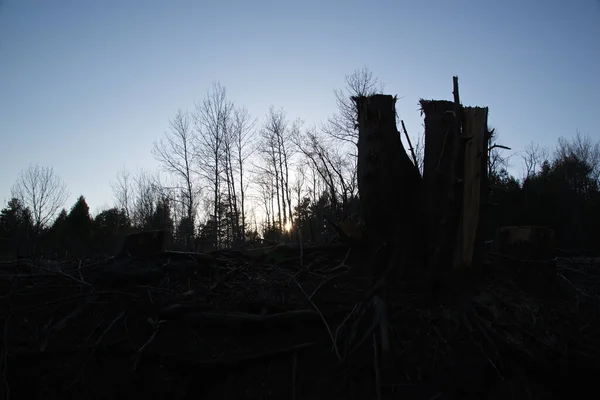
(177, 154)
(79, 227)
(42, 191)
(16, 226)
(110, 226)
(57, 236)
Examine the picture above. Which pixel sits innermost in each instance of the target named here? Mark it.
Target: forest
(348, 260)
(229, 181)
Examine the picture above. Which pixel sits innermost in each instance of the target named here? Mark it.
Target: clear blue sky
(87, 86)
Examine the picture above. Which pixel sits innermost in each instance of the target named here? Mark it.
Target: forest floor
(283, 323)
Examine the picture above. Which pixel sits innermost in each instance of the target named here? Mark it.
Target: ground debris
(280, 323)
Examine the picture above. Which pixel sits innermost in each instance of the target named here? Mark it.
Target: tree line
(229, 181)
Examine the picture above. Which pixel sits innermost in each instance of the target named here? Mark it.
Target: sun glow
(288, 226)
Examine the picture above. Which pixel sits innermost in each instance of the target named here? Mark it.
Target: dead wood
(255, 329)
(389, 183)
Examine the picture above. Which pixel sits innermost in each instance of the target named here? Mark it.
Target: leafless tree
(582, 148)
(40, 189)
(212, 117)
(497, 161)
(335, 170)
(533, 157)
(243, 130)
(342, 124)
(299, 182)
(268, 175)
(237, 148)
(341, 127)
(145, 198)
(176, 153)
(276, 155)
(266, 186)
(123, 191)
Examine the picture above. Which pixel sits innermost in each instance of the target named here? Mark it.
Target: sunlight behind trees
(231, 180)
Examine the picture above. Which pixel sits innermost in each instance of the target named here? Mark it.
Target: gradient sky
(87, 86)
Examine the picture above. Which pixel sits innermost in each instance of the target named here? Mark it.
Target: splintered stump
(530, 251)
(389, 183)
(440, 176)
(474, 179)
(142, 244)
(454, 175)
(526, 242)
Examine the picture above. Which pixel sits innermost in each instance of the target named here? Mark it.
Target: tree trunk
(474, 181)
(442, 206)
(389, 186)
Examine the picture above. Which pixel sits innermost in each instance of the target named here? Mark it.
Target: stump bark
(143, 244)
(389, 185)
(526, 242)
(441, 180)
(454, 177)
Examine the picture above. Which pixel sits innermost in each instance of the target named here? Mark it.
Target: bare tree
(270, 172)
(40, 189)
(342, 125)
(336, 170)
(211, 120)
(582, 148)
(151, 198)
(533, 157)
(176, 153)
(276, 155)
(497, 162)
(145, 199)
(243, 135)
(123, 191)
(298, 185)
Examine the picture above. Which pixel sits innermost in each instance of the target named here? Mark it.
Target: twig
(455, 92)
(376, 366)
(96, 345)
(410, 146)
(498, 146)
(294, 369)
(63, 274)
(380, 306)
(317, 288)
(575, 288)
(141, 349)
(335, 348)
(5, 358)
(370, 332)
(344, 321)
(63, 300)
(549, 260)
(80, 273)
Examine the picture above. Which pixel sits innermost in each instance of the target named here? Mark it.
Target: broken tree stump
(142, 244)
(526, 242)
(455, 180)
(389, 184)
(441, 183)
(475, 138)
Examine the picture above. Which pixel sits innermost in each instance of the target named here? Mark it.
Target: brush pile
(284, 323)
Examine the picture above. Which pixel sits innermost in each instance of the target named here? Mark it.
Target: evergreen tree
(79, 226)
(16, 228)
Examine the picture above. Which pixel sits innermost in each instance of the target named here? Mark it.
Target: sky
(86, 87)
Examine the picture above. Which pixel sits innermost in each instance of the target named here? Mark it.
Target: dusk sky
(87, 86)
